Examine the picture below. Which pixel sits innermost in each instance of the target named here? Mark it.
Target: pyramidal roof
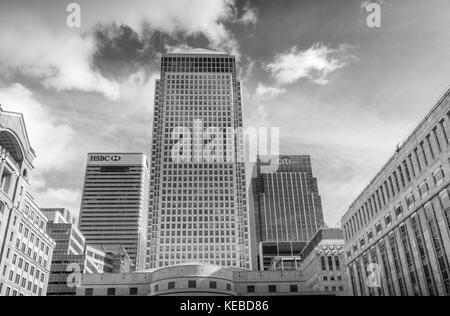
(196, 51)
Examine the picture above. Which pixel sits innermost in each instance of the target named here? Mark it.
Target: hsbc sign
(105, 158)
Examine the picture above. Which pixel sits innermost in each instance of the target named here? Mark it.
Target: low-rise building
(70, 254)
(195, 279)
(323, 263)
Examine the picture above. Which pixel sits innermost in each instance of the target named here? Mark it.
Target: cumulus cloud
(58, 198)
(60, 60)
(174, 17)
(266, 92)
(316, 63)
(249, 17)
(53, 143)
(51, 140)
(138, 90)
(63, 59)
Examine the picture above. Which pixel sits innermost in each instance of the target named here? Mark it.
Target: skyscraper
(287, 208)
(114, 204)
(198, 203)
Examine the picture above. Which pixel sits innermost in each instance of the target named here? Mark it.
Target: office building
(286, 208)
(114, 205)
(69, 255)
(193, 279)
(72, 255)
(323, 263)
(198, 199)
(25, 247)
(56, 213)
(114, 258)
(397, 230)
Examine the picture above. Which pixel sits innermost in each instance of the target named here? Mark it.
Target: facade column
(416, 258)
(434, 265)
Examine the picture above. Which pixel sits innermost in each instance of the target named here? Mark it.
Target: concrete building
(114, 258)
(52, 213)
(323, 263)
(25, 247)
(72, 255)
(69, 254)
(286, 208)
(198, 198)
(397, 230)
(114, 205)
(192, 279)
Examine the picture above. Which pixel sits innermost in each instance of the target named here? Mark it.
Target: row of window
(192, 284)
(411, 167)
(423, 190)
(412, 253)
(326, 263)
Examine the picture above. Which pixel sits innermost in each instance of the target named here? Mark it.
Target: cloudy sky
(340, 91)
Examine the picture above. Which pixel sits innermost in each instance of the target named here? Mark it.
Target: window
(272, 288)
(398, 211)
(250, 289)
(228, 287)
(378, 227)
(171, 285)
(134, 290)
(6, 181)
(410, 201)
(423, 189)
(192, 284)
(370, 235)
(293, 288)
(388, 220)
(89, 292)
(337, 263)
(212, 284)
(438, 177)
(111, 291)
(324, 266)
(330, 263)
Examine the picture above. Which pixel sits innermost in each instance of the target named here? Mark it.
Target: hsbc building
(114, 203)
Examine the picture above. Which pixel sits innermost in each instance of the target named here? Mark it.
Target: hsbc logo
(114, 158)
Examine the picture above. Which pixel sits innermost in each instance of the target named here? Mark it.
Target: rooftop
(196, 51)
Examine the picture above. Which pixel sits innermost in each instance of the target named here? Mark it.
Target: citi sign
(105, 158)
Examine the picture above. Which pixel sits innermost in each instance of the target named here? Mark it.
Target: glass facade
(287, 204)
